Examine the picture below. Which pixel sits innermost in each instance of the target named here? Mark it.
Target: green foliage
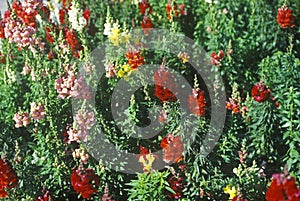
(149, 186)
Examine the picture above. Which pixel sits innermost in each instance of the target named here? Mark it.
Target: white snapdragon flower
(107, 27)
(75, 17)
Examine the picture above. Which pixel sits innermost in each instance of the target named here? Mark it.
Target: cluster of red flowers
(44, 11)
(143, 152)
(175, 10)
(75, 46)
(2, 25)
(45, 197)
(285, 18)
(165, 87)
(87, 15)
(8, 177)
(146, 9)
(27, 12)
(2, 58)
(135, 59)
(260, 92)
(283, 188)
(63, 11)
(235, 107)
(216, 58)
(85, 182)
(173, 148)
(62, 15)
(49, 37)
(176, 183)
(197, 102)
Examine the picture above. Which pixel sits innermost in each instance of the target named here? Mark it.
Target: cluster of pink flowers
(216, 58)
(81, 154)
(163, 116)
(80, 89)
(106, 196)
(70, 86)
(110, 69)
(37, 112)
(84, 121)
(19, 25)
(21, 119)
(71, 135)
(63, 85)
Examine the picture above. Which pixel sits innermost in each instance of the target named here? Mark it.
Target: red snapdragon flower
(45, 12)
(147, 24)
(143, 151)
(51, 55)
(165, 87)
(135, 59)
(62, 15)
(233, 105)
(87, 15)
(260, 92)
(2, 25)
(45, 197)
(176, 12)
(176, 183)
(144, 6)
(285, 18)
(197, 102)
(85, 182)
(8, 177)
(70, 37)
(216, 58)
(2, 58)
(49, 37)
(66, 3)
(27, 12)
(173, 148)
(283, 188)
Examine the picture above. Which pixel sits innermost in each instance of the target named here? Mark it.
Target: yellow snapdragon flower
(147, 163)
(231, 191)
